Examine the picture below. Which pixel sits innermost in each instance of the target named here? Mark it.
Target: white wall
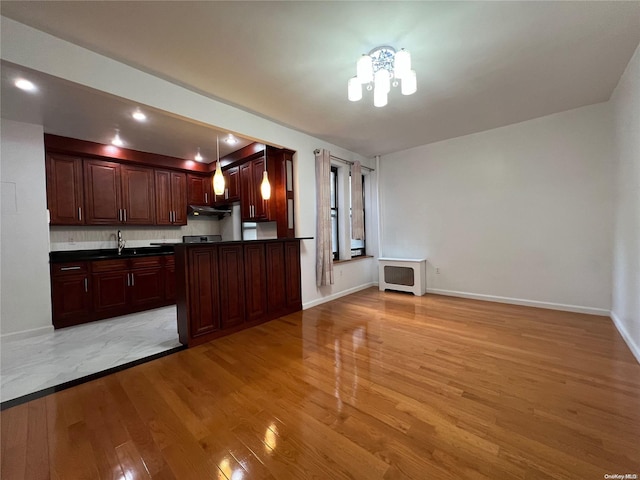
(25, 295)
(521, 213)
(625, 310)
(39, 51)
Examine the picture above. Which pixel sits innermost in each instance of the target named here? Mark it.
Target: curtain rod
(348, 162)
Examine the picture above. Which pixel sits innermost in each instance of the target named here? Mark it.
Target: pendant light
(265, 186)
(218, 178)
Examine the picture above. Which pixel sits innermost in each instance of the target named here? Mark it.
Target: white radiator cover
(403, 275)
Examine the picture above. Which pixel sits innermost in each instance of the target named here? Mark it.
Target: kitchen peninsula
(225, 287)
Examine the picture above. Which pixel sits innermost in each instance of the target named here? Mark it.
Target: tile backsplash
(94, 237)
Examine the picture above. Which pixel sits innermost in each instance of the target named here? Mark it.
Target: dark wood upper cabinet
(253, 206)
(231, 285)
(118, 194)
(138, 195)
(102, 192)
(65, 196)
(231, 187)
(199, 189)
(171, 198)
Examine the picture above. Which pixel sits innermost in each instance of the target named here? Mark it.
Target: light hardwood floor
(371, 386)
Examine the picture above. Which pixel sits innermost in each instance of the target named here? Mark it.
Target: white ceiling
(480, 65)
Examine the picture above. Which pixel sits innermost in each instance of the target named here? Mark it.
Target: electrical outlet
(438, 270)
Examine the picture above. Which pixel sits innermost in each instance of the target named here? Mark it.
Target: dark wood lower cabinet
(224, 288)
(276, 283)
(82, 292)
(231, 285)
(204, 301)
(255, 274)
(70, 295)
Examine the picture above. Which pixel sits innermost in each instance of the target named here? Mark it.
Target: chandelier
(381, 69)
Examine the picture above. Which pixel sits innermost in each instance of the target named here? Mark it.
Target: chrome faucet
(121, 242)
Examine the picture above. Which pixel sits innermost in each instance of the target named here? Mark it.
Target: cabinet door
(255, 275)
(138, 197)
(102, 192)
(276, 297)
(204, 303)
(232, 177)
(164, 212)
(292, 267)
(179, 198)
(231, 285)
(199, 189)
(65, 198)
(146, 287)
(71, 299)
(170, 279)
(261, 206)
(110, 292)
(246, 191)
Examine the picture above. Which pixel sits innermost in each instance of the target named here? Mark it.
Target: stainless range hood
(197, 210)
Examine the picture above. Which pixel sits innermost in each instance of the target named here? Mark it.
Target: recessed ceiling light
(24, 84)
(231, 140)
(198, 157)
(117, 141)
(139, 116)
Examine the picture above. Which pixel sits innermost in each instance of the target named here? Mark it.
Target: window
(334, 213)
(358, 247)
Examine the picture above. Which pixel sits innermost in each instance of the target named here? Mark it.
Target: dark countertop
(108, 254)
(228, 242)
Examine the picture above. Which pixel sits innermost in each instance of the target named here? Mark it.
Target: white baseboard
(27, 333)
(335, 296)
(521, 301)
(635, 349)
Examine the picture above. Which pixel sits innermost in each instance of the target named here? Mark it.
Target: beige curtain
(357, 208)
(324, 256)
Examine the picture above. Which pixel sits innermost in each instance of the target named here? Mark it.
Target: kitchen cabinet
(199, 189)
(253, 206)
(146, 282)
(65, 196)
(204, 301)
(255, 280)
(85, 291)
(228, 286)
(276, 286)
(231, 187)
(293, 293)
(171, 197)
(118, 194)
(102, 192)
(231, 263)
(170, 279)
(70, 293)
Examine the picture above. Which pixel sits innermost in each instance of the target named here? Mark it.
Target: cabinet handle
(86, 285)
(79, 213)
(206, 198)
(174, 216)
(125, 215)
(133, 280)
(128, 280)
(64, 269)
(226, 193)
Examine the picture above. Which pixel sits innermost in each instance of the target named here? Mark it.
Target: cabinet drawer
(69, 268)
(146, 262)
(108, 265)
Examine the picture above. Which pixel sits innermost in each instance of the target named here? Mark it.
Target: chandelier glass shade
(218, 177)
(381, 69)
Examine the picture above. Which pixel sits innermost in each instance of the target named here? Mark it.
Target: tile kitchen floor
(46, 360)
